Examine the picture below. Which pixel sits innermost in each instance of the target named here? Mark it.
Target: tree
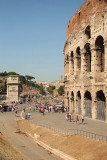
(29, 78)
(41, 89)
(3, 73)
(61, 90)
(50, 89)
(37, 86)
(22, 79)
(3, 88)
(12, 73)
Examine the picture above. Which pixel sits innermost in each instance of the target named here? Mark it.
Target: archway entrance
(78, 59)
(87, 58)
(88, 104)
(99, 46)
(72, 101)
(101, 105)
(78, 102)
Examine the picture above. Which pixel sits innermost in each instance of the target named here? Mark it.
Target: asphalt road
(23, 143)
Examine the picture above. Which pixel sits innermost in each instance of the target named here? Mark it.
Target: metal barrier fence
(70, 132)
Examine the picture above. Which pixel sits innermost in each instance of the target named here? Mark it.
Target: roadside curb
(50, 149)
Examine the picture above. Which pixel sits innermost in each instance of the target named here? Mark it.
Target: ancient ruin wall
(83, 15)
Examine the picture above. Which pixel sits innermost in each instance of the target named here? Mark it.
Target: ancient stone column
(93, 61)
(82, 62)
(105, 73)
(83, 104)
(75, 65)
(71, 66)
(94, 107)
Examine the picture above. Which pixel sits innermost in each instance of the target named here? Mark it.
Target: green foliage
(8, 73)
(37, 86)
(12, 73)
(50, 89)
(29, 78)
(22, 79)
(3, 73)
(30, 83)
(1, 81)
(53, 87)
(3, 88)
(61, 90)
(42, 90)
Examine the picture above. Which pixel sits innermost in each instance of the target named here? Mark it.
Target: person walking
(28, 115)
(16, 112)
(42, 110)
(67, 116)
(82, 118)
(77, 118)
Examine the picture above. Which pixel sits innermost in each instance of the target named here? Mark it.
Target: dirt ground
(7, 151)
(78, 147)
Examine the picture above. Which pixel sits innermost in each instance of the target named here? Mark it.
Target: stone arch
(67, 98)
(67, 63)
(72, 54)
(72, 61)
(88, 104)
(72, 101)
(87, 58)
(78, 53)
(88, 32)
(72, 96)
(100, 105)
(99, 47)
(67, 93)
(67, 57)
(78, 100)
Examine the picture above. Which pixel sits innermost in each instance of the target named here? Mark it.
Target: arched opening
(88, 104)
(99, 47)
(101, 105)
(78, 58)
(78, 100)
(72, 54)
(88, 32)
(67, 58)
(72, 61)
(78, 51)
(67, 94)
(87, 58)
(72, 101)
(67, 64)
(72, 96)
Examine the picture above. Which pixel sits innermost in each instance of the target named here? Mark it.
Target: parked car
(1, 108)
(4, 108)
(59, 108)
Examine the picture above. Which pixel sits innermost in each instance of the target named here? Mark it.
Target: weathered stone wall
(85, 66)
(13, 88)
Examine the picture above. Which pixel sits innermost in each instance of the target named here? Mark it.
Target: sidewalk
(58, 120)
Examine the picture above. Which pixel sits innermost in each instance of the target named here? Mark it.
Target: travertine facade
(85, 60)
(13, 88)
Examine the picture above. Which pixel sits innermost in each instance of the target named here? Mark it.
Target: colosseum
(85, 61)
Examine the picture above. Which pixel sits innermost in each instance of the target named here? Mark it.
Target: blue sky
(32, 36)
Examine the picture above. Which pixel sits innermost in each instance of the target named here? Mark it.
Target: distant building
(13, 88)
(57, 83)
(44, 83)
